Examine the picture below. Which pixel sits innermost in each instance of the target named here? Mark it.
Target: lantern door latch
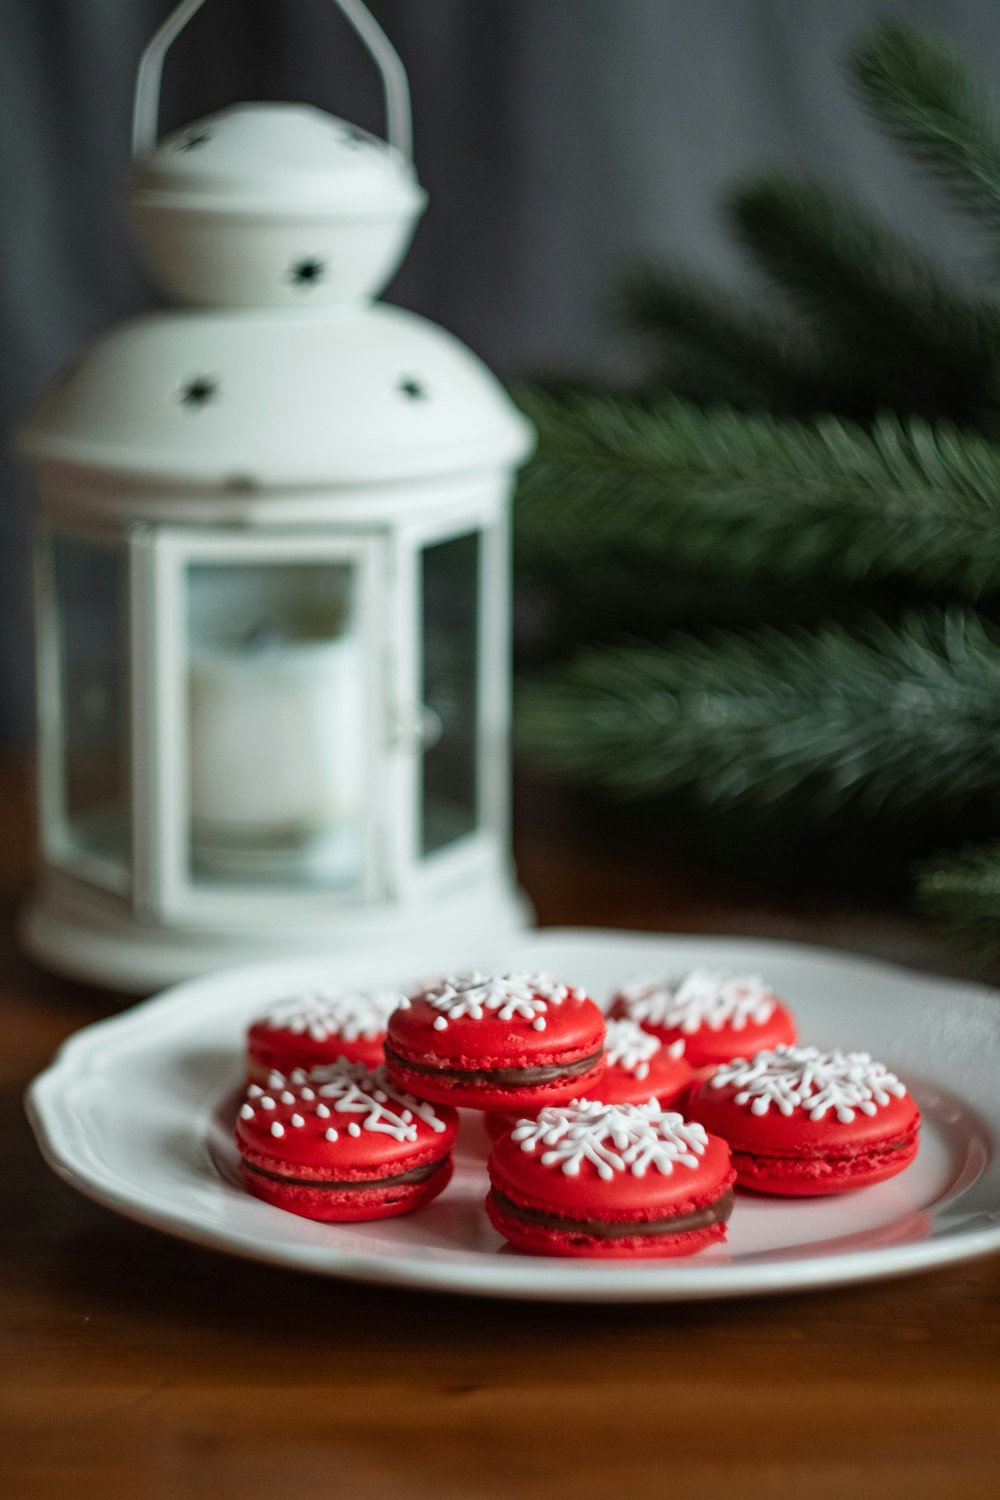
(417, 729)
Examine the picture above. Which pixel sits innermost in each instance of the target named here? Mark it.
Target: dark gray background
(557, 138)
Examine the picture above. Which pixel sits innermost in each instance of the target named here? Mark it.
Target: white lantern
(273, 573)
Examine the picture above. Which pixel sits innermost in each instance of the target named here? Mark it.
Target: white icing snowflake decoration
(627, 1046)
(613, 1137)
(322, 1014)
(526, 996)
(701, 998)
(804, 1078)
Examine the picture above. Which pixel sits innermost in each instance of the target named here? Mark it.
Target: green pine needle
(915, 342)
(894, 721)
(713, 342)
(962, 891)
(632, 505)
(754, 498)
(920, 90)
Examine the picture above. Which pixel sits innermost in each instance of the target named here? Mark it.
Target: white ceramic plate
(136, 1112)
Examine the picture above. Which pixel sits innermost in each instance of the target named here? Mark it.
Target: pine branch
(920, 90)
(962, 891)
(711, 343)
(750, 497)
(897, 720)
(914, 342)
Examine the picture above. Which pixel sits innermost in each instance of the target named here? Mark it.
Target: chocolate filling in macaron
(601, 1229)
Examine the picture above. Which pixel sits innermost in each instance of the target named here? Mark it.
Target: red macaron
(346, 1145)
(803, 1122)
(717, 1016)
(639, 1067)
(507, 1041)
(315, 1028)
(610, 1180)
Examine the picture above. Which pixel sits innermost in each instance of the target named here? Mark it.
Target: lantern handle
(146, 115)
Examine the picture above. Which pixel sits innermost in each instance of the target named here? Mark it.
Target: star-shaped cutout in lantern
(192, 142)
(413, 389)
(309, 272)
(199, 392)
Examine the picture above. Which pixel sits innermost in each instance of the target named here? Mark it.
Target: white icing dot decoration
(351, 1088)
(255, 1091)
(804, 1078)
(628, 1047)
(612, 1137)
(701, 998)
(365, 1095)
(322, 1014)
(508, 996)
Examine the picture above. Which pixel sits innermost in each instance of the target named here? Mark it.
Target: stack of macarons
(617, 1137)
(503, 1041)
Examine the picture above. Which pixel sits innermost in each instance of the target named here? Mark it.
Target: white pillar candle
(277, 742)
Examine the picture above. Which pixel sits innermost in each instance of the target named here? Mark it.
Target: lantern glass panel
(90, 587)
(278, 716)
(450, 578)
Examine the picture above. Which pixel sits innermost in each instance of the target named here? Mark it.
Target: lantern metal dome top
(276, 402)
(277, 160)
(207, 200)
(276, 224)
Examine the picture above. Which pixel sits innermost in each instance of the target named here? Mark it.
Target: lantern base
(79, 935)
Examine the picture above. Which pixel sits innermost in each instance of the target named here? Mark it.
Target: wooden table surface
(134, 1365)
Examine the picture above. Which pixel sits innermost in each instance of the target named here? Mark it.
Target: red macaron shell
(352, 1205)
(448, 1057)
(523, 1180)
(282, 1052)
(707, 1048)
(524, 1176)
(715, 1039)
(797, 1177)
(301, 1169)
(539, 1240)
(661, 1076)
(316, 1028)
(794, 1154)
